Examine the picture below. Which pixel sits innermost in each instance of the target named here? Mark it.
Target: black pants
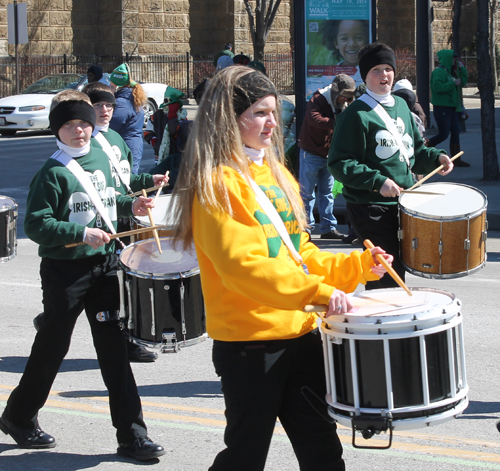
(265, 380)
(380, 224)
(68, 288)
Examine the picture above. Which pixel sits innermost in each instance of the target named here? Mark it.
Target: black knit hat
(250, 88)
(68, 110)
(375, 54)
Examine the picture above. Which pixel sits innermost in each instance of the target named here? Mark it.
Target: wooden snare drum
(443, 236)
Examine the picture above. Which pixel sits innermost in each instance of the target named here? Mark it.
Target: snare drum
(8, 229)
(395, 361)
(162, 216)
(443, 236)
(161, 300)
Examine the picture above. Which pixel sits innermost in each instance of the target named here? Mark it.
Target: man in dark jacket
(314, 142)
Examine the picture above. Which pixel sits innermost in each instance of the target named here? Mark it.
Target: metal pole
(16, 46)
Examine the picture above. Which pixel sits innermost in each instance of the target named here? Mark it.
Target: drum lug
(440, 247)
(169, 342)
(400, 234)
(484, 236)
(370, 425)
(466, 244)
(130, 321)
(336, 340)
(414, 244)
(153, 320)
(121, 285)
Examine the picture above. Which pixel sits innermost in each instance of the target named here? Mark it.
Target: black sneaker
(141, 449)
(38, 321)
(336, 235)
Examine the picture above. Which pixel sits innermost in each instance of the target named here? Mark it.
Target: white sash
(388, 121)
(278, 223)
(106, 147)
(76, 169)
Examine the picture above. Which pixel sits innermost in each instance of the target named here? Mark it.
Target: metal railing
(181, 71)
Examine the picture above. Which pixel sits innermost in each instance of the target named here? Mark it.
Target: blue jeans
(448, 121)
(314, 171)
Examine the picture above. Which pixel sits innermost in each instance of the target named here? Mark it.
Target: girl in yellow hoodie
(267, 351)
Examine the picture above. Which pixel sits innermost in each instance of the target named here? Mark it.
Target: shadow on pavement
(17, 364)
(479, 409)
(205, 389)
(42, 459)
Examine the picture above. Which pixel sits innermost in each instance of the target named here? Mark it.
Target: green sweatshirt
(58, 208)
(124, 156)
(364, 153)
(444, 91)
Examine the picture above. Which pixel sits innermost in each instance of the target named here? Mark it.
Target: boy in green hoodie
(61, 210)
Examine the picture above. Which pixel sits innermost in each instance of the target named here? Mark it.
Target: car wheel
(8, 132)
(149, 108)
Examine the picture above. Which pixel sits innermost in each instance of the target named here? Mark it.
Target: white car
(30, 110)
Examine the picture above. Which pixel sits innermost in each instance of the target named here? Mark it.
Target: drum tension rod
(370, 425)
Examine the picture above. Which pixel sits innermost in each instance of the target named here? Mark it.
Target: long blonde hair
(214, 143)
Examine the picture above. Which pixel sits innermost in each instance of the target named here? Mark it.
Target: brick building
(198, 26)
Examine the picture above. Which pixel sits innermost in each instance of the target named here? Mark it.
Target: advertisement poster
(335, 32)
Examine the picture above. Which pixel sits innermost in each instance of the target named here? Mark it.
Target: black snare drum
(161, 298)
(8, 229)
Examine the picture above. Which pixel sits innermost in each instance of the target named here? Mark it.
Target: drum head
(6, 203)
(161, 213)
(143, 258)
(458, 200)
(393, 308)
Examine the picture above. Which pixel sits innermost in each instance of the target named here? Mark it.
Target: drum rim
(426, 216)
(360, 322)
(445, 276)
(174, 275)
(14, 204)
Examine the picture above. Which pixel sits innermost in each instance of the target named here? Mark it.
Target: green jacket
(363, 153)
(444, 92)
(124, 156)
(58, 208)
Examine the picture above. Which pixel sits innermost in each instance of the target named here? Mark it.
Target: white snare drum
(8, 229)
(162, 216)
(395, 362)
(161, 300)
(443, 236)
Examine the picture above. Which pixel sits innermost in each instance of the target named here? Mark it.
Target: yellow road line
(396, 446)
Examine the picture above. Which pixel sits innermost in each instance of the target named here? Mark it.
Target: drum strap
(275, 218)
(74, 167)
(106, 147)
(389, 123)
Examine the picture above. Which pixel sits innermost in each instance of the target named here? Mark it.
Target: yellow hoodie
(253, 289)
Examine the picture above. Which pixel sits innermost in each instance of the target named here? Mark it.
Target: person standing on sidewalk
(447, 81)
(314, 142)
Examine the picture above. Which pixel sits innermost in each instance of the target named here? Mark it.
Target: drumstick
(434, 172)
(151, 220)
(121, 234)
(390, 270)
(416, 192)
(147, 190)
(158, 192)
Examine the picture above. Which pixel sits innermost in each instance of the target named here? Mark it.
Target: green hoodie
(444, 91)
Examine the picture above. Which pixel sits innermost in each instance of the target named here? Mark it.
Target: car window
(53, 83)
